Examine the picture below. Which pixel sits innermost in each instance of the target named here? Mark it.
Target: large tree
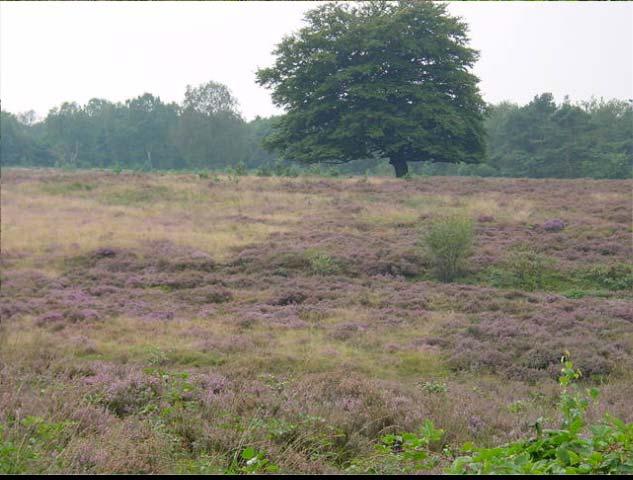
(67, 133)
(377, 79)
(19, 145)
(150, 126)
(211, 133)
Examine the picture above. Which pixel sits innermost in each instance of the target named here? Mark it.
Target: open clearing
(162, 323)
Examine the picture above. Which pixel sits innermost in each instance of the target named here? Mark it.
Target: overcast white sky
(52, 52)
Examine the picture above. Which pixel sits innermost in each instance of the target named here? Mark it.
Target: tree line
(207, 132)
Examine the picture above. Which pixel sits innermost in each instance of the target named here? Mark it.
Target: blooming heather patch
(529, 346)
(554, 225)
(122, 390)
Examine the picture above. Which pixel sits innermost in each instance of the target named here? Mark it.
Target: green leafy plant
(176, 394)
(574, 448)
(252, 460)
(235, 172)
(15, 457)
(156, 356)
(575, 293)
(449, 242)
(517, 407)
(403, 452)
(240, 169)
(204, 464)
(434, 387)
(32, 438)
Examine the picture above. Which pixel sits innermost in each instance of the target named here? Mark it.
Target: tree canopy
(377, 79)
(543, 139)
(205, 132)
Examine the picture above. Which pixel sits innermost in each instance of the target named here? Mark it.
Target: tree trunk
(74, 155)
(399, 165)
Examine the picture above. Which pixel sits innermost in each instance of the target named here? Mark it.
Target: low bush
(527, 267)
(321, 263)
(449, 242)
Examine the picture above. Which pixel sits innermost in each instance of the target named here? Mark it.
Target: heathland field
(194, 323)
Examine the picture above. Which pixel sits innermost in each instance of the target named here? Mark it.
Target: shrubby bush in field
(321, 263)
(235, 172)
(449, 241)
(527, 266)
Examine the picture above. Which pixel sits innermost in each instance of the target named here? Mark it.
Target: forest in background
(542, 139)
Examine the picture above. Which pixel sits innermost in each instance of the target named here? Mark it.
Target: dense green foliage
(17, 457)
(542, 139)
(377, 79)
(206, 132)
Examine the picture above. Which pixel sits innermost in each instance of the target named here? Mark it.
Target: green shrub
(321, 263)
(67, 188)
(33, 439)
(403, 453)
(134, 196)
(282, 169)
(616, 276)
(233, 173)
(204, 464)
(449, 241)
(526, 267)
(434, 387)
(240, 169)
(264, 171)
